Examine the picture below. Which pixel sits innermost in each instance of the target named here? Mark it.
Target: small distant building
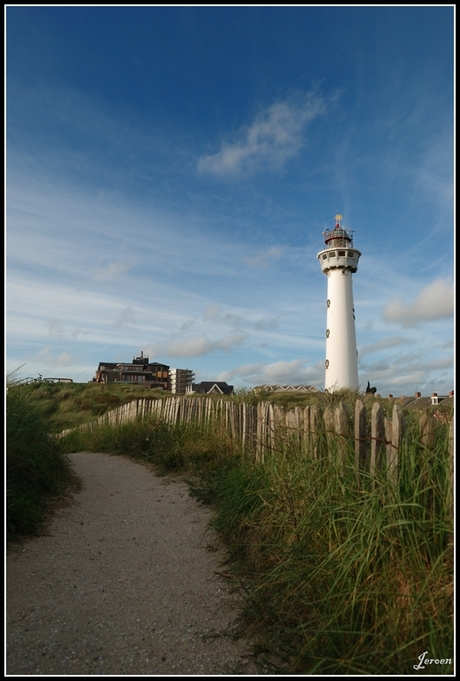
(420, 402)
(180, 380)
(436, 399)
(210, 388)
(140, 372)
(285, 388)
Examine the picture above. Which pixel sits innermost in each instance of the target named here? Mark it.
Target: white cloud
(293, 372)
(212, 313)
(275, 135)
(110, 271)
(57, 330)
(197, 346)
(126, 316)
(265, 258)
(383, 345)
(267, 323)
(435, 301)
(46, 357)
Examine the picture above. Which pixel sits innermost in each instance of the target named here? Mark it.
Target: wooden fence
(265, 427)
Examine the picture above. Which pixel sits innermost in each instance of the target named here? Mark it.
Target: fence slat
(315, 429)
(378, 437)
(341, 426)
(427, 429)
(360, 436)
(451, 449)
(396, 440)
(328, 417)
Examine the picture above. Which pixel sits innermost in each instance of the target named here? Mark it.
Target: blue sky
(170, 171)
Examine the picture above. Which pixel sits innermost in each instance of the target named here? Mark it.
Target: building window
(328, 304)
(325, 256)
(341, 254)
(326, 364)
(328, 333)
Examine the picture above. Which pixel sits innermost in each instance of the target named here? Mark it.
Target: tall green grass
(37, 470)
(345, 580)
(68, 405)
(339, 575)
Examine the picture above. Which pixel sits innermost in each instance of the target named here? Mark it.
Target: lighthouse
(339, 260)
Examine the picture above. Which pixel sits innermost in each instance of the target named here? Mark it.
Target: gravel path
(123, 582)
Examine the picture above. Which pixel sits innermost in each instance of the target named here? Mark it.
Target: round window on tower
(326, 364)
(328, 333)
(328, 304)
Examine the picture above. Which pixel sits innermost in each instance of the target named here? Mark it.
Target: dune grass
(338, 576)
(68, 405)
(37, 470)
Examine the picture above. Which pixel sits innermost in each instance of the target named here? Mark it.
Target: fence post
(396, 440)
(316, 429)
(450, 502)
(328, 417)
(360, 435)
(389, 443)
(252, 425)
(306, 435)
(293, 425)
(377, 440)
(341, 426)
(177, 404)
(427, 429)
(260, 432)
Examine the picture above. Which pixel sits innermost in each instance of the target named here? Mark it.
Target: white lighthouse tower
(338, 261)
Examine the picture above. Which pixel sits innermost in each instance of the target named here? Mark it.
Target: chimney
(418, 394)
(390, 396)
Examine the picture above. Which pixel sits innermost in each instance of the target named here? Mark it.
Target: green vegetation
(67, 405)
(37, 470)
(339, 576)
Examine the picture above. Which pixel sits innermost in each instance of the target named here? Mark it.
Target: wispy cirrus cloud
(58, 330)
(50, 359)
(276, 134)
(110, 271)
(285, 372)
(197, 346)
(384, 344)
(237, 321)
(126, 316)
(435, 301)
(265, 258)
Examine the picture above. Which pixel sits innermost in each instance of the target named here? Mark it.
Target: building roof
(423, 402)
(213, 386)
(277, 388)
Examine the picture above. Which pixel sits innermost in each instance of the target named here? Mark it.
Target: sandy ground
(122, 582)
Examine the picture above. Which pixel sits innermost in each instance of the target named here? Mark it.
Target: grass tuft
(37, 470)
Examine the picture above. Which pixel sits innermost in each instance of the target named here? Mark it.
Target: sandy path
(122, 583)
